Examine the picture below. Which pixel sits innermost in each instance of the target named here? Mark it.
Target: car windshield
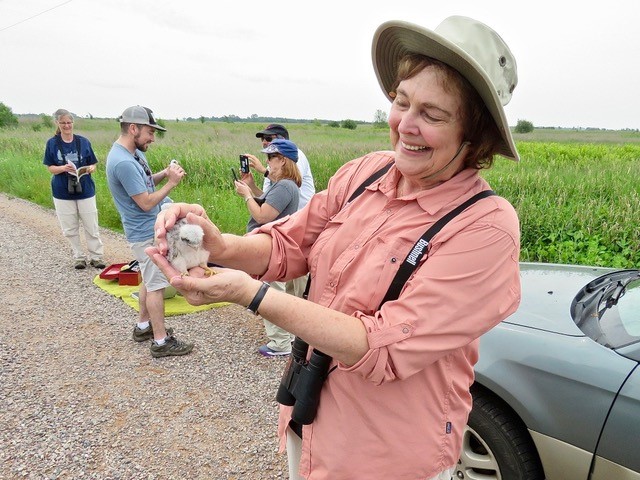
(607, 309)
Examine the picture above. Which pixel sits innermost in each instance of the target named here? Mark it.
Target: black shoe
(172, 347)
(97, 264)
(141, 335)
(80, 264)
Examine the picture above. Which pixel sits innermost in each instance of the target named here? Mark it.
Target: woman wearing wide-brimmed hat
(396, 398)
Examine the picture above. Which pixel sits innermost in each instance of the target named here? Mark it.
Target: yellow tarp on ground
(172, 306)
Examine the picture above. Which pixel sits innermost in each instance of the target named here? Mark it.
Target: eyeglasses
(268, 138)
(65, 123)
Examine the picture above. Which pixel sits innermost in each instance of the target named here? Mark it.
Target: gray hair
(61, 112)
(58, 114)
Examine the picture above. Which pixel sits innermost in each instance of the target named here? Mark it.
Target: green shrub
(524, 126)
(7, 118)
(47, 121)
(349, 124)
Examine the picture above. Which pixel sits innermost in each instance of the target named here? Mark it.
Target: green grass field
(576, 192)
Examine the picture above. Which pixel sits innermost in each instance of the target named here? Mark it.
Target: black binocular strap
(411, 262)
(375, 176)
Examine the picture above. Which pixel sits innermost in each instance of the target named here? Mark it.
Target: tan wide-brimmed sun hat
(469, 46)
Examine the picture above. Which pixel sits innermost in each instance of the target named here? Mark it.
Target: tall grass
(577, 201)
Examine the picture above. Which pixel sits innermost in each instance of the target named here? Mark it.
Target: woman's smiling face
(65, 123)
(426, 129)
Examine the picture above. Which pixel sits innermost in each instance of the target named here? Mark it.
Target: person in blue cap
(280, 200)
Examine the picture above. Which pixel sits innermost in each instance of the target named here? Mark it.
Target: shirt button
(356, 247)
(332, 284)
(394, 260)
(405, 330)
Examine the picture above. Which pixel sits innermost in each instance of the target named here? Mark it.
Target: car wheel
(496, 445)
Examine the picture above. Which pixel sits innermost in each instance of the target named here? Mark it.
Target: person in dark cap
(273, 130)
(395, 310)
(296, 286)
(139, 197)
(266, 136)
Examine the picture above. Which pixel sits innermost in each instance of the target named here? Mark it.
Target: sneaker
(80, 264)
(269, 352)
(141, 335)
(172, 347)
(97, 264)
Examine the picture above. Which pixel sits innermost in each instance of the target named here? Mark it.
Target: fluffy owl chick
(184, 242)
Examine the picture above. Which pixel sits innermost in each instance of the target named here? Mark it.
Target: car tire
(496, 444)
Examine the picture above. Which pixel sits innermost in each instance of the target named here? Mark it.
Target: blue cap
(284, 147)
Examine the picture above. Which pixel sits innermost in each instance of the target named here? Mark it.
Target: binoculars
(73, 185)
(302, 381)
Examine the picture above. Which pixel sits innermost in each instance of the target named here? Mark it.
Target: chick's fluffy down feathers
(185, 250)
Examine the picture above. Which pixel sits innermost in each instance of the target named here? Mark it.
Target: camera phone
(244, 164)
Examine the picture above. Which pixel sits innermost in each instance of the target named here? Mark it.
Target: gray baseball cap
(140, 116)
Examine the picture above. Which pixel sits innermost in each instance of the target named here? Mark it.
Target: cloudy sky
(578, 61)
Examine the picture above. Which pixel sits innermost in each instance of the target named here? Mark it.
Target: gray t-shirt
(283, 196)
(126, 178)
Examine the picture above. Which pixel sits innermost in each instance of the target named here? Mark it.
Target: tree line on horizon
(9, 119)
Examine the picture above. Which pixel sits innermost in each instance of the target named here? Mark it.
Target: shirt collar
(459, 187)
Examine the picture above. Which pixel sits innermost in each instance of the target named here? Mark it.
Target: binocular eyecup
(302, 381)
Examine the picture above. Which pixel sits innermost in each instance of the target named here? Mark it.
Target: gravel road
(79, 399)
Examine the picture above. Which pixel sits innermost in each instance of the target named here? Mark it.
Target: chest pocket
(385, 257)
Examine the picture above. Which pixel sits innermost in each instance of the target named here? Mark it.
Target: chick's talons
(208, 272)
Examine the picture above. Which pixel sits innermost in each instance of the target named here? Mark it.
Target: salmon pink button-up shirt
(400, 411)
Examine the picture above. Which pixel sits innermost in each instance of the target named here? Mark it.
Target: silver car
(557, 391)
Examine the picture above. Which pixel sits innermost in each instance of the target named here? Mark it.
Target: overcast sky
(578, 61)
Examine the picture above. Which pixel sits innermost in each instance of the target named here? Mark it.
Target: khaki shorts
(152, 276)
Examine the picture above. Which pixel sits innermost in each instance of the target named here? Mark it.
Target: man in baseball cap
(139, 194)
(275, 131)
(140, 116)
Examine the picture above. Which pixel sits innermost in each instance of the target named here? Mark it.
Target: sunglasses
(268, 138)
(271, 156)
(144, 166)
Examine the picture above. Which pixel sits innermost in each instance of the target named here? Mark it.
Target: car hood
(547, 292)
